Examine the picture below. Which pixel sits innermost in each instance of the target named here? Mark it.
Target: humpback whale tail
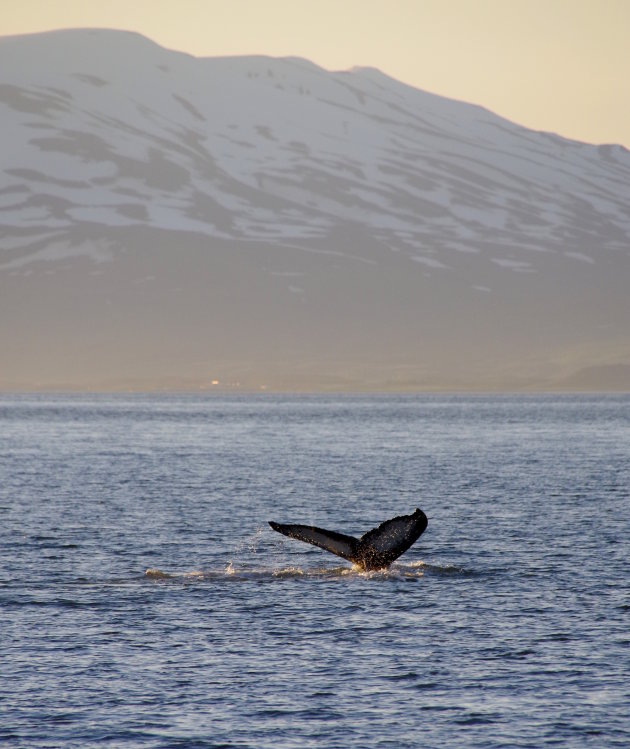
(375, 550)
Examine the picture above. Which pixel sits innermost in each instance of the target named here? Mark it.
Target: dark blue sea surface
(506, 625)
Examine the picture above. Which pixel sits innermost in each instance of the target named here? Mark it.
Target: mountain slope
(168, 221)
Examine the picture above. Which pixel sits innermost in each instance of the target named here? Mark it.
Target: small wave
(446, 569)
(434, 569)
(233, 573)
(156, 574)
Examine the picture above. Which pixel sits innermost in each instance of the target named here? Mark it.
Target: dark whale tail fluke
(373, 551)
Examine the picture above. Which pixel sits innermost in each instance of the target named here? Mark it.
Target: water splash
(250, 543)
(234, 573)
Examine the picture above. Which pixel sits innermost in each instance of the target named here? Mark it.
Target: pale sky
(556, 65)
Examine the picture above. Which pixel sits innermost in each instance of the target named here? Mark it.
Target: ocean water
(506, 625)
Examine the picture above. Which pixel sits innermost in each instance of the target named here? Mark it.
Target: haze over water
(505, 625)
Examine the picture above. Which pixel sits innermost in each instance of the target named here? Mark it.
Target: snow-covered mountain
(173, 221)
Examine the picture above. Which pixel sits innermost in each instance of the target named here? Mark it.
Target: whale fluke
(375, 550)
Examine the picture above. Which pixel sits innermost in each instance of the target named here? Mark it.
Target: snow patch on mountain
(104, 128)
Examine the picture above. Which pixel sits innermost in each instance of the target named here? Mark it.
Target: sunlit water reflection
(145, 602)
